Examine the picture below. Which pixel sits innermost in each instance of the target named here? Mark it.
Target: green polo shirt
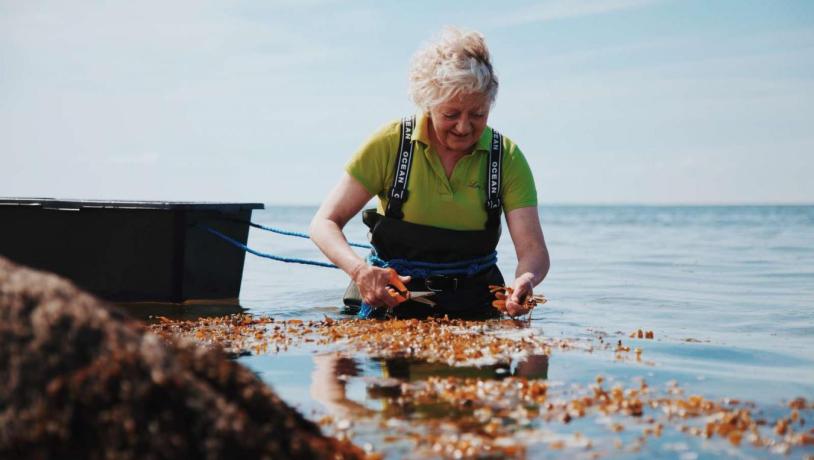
(457, 202)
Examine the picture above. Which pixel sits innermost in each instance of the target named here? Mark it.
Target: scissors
(399, 291)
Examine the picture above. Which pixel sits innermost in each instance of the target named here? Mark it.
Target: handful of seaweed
(504, 292)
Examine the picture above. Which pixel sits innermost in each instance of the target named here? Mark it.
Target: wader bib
(460, 295)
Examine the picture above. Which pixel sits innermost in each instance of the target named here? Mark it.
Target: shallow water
(728, 291)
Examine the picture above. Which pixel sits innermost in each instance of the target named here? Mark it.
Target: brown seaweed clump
(79, 379)
(452, 341)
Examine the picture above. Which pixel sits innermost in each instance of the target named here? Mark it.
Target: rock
(80, 379)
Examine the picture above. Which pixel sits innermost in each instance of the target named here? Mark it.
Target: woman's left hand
(532, 256)
(523, 288)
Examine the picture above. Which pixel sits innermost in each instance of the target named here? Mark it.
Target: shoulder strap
(494, 172)
(404, 160)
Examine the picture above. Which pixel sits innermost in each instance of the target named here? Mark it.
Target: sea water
(727, 290)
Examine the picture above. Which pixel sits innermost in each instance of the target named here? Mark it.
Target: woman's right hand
(372, 283)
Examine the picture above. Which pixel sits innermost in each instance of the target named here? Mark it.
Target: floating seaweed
(490, 414)
(501, 417)
(639, 334)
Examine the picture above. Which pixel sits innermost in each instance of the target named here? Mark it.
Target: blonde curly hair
(456, 63)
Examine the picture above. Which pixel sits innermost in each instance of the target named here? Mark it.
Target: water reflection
(328, 381)
(406, 369)
(333, 372)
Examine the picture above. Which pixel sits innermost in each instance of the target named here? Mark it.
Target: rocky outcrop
(79, 379)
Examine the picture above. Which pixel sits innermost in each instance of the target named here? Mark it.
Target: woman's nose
(462, 126)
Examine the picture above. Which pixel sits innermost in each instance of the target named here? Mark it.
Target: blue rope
(366, 311)
(300, 235)
(419, 269)
(414, 268)
(242, 246)
(404, 267)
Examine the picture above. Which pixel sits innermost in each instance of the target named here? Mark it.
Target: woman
(442, 179)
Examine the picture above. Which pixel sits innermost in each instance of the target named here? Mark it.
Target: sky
(612, 102)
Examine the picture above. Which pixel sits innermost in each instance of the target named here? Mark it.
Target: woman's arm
(532, 255)
(344, 202)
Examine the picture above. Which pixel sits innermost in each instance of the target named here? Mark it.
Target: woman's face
(457, 124)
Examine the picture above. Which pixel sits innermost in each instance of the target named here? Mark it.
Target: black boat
(133, 251)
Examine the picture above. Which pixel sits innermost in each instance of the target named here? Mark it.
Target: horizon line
(628, 204)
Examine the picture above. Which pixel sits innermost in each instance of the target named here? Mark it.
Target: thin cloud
(566, 9)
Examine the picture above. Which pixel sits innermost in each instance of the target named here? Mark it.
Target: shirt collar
(421, 133)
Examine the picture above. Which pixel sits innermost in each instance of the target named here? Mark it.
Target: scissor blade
(421, 296)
